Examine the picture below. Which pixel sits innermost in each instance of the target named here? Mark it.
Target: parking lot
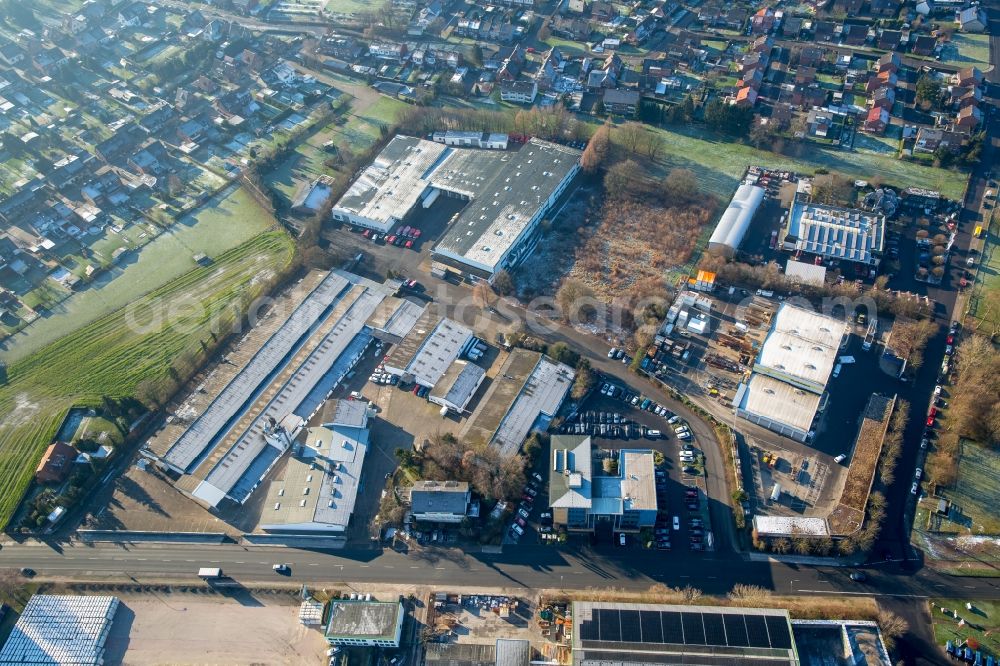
(617, 417)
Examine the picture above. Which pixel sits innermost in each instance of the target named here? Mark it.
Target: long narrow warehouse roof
(736, 219)
(191, 446)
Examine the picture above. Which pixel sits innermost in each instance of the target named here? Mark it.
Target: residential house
(882, 79)
(215, 30)
(973, 19)
(643, 29)
(924, 7)
(387, 51)
(551, 67)
(854, 35)
(49, 60)
(885, 8)
(25, 198)
(781, 114)
(752, 79)
(889, 39)
(819, 122)
(344, 48)
(811, 56)
(745, 97)
(205, 84)
(884, 98)
(762, 22)
(191, 131)
(602, 11)
(805, 75)
(806, 97)
(119, 142)
(969, 77)
(56, 463)
(621, 102)
(889, 62)
(70, 169)
(931, 139)
(519, 92)
(151, 160)
(132, 14)
(970, 97)
(11, 54)
(969, 118)
(923, 45)
(575, 29)
(823, 31)
(877, 120)
(193, 23)
(440, 501)
(791, 27)
(157, 119)
(753, 61)
(850, 7)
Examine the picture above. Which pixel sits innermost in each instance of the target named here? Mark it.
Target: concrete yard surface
(186, 630)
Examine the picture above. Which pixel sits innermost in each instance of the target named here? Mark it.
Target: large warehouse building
(735, 221)
(788, 383)
(832, 233)
(225, 452)
(510, 192)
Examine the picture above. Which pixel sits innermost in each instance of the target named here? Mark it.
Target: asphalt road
(575, 565)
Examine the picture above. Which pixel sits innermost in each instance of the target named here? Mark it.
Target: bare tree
(893, 627)
(631, 136)
(744, 594)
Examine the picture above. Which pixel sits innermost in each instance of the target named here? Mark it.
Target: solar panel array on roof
(61, 629)
(698, 628)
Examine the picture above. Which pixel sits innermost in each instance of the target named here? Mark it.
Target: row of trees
(975, 400)
(445, 458)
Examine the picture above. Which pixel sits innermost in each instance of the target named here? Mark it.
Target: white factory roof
(801, 348)
(779, 401)
(736, 219)
(391, 185)
(60, 630)
(839, 233)
(804, 272)
(789, 525)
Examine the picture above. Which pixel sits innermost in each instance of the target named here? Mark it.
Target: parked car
(858, 576)
(677, 523)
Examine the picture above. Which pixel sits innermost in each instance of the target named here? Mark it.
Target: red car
(930, 421)
(951, 338)
(520, 521)
(390, 239)
(415, 233)
(367, 233)
(408, 245)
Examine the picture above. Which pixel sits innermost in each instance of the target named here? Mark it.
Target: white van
(653, 434)
(776, 492)
(836, 370)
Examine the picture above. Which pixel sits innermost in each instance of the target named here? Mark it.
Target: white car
(677, 523)
(915, 487)
(673, 419)
(841, 458)
(937, 390)
(918, 473)
(653, 434)
(516, 529)
(612, 352)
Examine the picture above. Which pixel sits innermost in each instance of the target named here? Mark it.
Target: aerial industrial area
(363, 332)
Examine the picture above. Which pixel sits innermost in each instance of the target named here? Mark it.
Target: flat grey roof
(363, 619)
(347, 413)
(403, 353)
(439, 497)
(391, 185)
(570, 472)
(233, 399)
(507, 190)
(459, 383)
(779, 401)
(439, 351)
(542, 393)
(319, 487)
(396, 316)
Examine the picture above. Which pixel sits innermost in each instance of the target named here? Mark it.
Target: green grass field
(111, 355)
(719, 164)
(357, 134)
(982, 623)
(213, 229)
(351, 6)
(967, 50)
(987, 279)
(976, 495)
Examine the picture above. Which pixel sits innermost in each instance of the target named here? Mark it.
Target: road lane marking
(866, 594)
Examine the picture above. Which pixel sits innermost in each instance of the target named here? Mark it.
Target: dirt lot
(185, 629)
